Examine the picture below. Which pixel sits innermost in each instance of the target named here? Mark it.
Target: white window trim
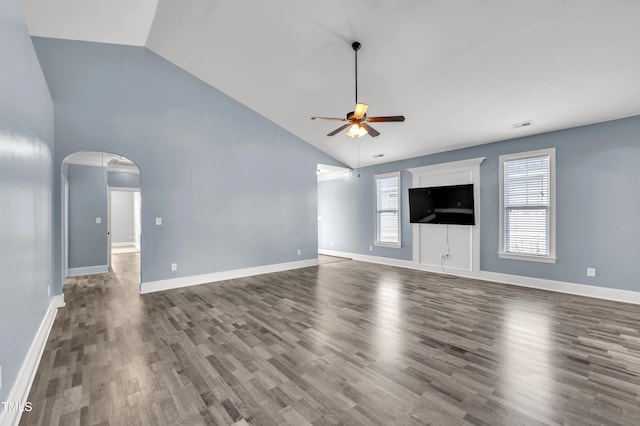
(375, 210)
(551, 258)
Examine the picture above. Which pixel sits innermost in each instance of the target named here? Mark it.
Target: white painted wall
(123, 223)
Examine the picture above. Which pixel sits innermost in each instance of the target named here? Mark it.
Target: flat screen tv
(451, 205)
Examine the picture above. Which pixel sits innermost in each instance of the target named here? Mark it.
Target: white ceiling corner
(462, 72)
(114, 21)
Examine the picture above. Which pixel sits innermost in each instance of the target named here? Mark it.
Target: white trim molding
(597, 292)
(530, 258)
(125, 244)
(162, 285)
(472, 167)
(87, 270)
(461, 165)
(401, 263)
(617, 295)
(551, 258)
(22, 386)
(123, 188)
(376, 241)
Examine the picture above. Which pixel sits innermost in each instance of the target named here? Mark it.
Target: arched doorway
(101, 193)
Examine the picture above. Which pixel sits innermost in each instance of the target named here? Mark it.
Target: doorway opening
(124, 220)
(330, 245)
(101, 215)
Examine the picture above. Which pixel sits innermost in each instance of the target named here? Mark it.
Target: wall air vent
(527, 123)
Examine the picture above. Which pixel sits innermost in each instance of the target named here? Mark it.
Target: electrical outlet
(370, 248)
(158, 221)
(174, 267)
(98, 220)
(591, 272)
(299, 252)
(445, 256)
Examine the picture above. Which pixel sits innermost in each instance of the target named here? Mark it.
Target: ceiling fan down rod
(356, 46)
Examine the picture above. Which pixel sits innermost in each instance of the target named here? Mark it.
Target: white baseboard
(597, 292)
(124, 244)
(20, 390)
(614, 294)
(153, 286)
(87, 270)
(366, 258)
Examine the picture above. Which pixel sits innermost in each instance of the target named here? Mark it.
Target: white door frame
(121, 189)
(108, 227)
(65, 226)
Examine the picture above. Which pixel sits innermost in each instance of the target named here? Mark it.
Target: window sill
(530, 258)
(391, 245)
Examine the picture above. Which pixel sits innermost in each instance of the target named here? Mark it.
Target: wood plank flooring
(344, 343)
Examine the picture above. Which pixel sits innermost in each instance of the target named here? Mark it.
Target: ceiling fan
(357, 119)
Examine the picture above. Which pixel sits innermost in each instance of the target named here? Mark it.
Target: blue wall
(26, 146)
(87, 201)
(124, 180)
(598, 201)
(234, 189)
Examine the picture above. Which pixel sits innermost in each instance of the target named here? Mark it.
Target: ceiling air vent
(527, 123)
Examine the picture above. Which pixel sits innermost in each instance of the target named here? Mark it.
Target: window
(527, 206)
(387, 188)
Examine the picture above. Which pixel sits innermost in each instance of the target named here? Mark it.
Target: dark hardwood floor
(341, 343)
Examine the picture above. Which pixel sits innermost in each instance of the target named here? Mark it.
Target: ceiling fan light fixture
(356, 130)
(357, 120)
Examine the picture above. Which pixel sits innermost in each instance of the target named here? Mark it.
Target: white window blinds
(387, 209)
(527, 213)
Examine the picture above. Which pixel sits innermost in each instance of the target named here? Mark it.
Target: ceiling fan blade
(328, 118)
(360, 110)
(372, 132)
(383, 119)
(339, 129)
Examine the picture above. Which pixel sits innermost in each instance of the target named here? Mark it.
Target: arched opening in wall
(101, 215)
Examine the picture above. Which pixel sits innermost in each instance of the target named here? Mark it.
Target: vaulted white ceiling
(460, 71)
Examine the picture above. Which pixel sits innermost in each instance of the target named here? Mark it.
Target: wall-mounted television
(451, 205)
